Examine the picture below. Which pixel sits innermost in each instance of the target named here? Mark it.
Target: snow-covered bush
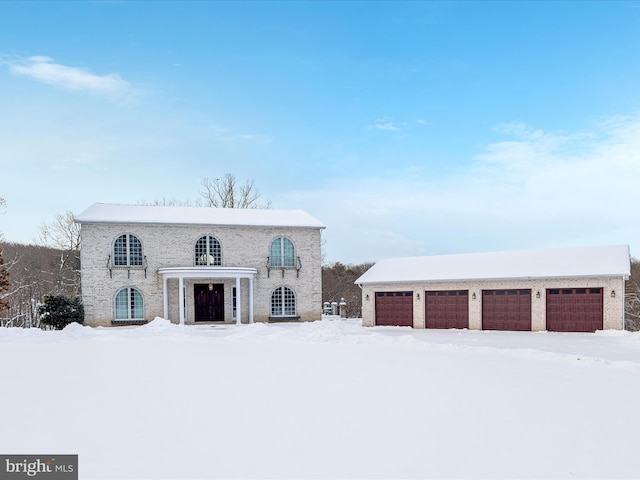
(58, 311)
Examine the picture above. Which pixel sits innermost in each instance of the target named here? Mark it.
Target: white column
(251, 299)
(238, 302)
(165, 298)
(181, 299)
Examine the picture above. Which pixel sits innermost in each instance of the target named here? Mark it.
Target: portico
(208, 274)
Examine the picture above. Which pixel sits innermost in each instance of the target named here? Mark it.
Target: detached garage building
(563, 290)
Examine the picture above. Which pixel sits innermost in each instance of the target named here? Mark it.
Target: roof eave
(490, 279)
(187, 224)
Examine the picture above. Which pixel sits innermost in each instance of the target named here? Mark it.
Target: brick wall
(613, 307)
(173, 246)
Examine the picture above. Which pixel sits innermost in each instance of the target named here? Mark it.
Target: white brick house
(197, 265)
(563, 289)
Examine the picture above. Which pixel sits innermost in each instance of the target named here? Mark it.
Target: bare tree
(63, 233)
(227, 192)
(4, 274)
(632, 297)
(338, 283)
(35, 272)
(170, 202)
(4, 285)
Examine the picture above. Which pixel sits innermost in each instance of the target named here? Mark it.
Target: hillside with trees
(33, 272)
(28, 272)
(338, 283)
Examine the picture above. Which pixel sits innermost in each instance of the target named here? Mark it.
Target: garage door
(394, 308)
(506, 310)
(574, 309)
(447, 309)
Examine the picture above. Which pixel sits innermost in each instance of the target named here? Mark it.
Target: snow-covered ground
(329, 399)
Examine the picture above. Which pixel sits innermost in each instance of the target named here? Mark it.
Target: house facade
(567, 289)
(199, 265)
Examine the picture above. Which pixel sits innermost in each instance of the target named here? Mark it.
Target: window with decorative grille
(281, 253)
(208, 251)
(127, 251)
(283, 302)
(129, 304)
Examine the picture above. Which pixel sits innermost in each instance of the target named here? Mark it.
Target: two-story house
(196, 265)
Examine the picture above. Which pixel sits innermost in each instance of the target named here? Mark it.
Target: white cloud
(46, 70)
(534, 189)
(386, 124)
(226, 135)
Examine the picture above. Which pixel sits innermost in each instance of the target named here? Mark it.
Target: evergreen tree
(59, 311)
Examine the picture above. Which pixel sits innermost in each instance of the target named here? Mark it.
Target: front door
(209, 302)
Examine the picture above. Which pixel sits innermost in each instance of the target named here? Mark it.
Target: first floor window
(129, 304)
(283, 302)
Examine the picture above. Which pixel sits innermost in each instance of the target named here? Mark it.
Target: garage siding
(447, 309)
(394, 308)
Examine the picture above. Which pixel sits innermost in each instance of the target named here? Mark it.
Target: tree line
(29, 272)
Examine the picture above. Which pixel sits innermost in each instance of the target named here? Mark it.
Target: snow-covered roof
(549, 263)
(161, 215)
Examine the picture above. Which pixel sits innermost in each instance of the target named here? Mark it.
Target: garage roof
(549, 263)
(161, 215)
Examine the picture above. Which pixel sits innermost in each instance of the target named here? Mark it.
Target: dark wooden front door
(209, 304)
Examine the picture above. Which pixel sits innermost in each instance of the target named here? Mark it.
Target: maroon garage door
(574, 309)
(394, 308)
(447, 309)
(506, 310)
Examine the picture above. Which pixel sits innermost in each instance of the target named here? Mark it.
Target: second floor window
(281, 253)
(127, 251)
(208, 251)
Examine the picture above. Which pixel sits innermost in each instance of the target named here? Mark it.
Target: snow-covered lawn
(329, 399)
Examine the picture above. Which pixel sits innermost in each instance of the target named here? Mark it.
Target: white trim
(208, 272)
(165, 298)
(181, 299)
(250, 300)
(238, 304)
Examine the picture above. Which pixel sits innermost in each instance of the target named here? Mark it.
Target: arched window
(127, 251)
(281, 253)
(283, 302)
(129, 304)
(208, 251)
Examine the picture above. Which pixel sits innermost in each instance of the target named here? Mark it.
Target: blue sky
(408, 128)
